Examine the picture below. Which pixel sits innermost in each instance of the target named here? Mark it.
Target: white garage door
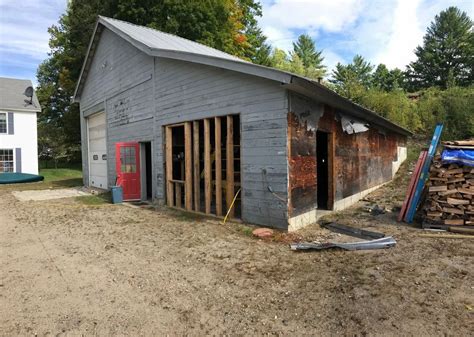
(97, 150)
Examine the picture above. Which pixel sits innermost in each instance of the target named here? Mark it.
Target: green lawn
(53, 178)
(61, 174)
(61, 177)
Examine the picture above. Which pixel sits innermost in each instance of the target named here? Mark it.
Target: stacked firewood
(450, 199)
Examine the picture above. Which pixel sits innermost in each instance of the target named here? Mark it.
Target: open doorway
(146, 171)
(322, 169)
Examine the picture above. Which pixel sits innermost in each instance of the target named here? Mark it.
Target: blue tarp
(458, 156)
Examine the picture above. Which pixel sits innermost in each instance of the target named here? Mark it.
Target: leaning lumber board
(411, 186)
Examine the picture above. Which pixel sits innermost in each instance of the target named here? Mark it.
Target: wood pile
(450, 199)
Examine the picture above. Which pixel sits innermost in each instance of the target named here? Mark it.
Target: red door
(127, 164)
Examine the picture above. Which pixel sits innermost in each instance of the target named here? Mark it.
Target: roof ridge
(171, 35)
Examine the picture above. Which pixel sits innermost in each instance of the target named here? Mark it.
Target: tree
(387, 80)
(312, 60)
(259, 51)
(353, 79)
(447, 54)
(222, 24)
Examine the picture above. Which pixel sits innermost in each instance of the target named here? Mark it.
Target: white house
(18, 134)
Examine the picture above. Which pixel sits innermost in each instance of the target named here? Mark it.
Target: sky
(383, 31)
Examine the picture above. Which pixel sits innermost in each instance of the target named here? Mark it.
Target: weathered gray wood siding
(119, 82)
(186, 91)
(140, 95)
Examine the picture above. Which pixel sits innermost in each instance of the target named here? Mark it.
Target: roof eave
(78, 89)
(325, 95)
(10, 109)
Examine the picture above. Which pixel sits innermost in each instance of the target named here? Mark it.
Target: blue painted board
(420, 185)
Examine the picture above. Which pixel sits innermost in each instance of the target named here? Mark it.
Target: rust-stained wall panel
(362, 160)
(302, 125)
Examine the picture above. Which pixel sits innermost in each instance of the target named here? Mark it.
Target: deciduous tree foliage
(228, 25)
(446, 57)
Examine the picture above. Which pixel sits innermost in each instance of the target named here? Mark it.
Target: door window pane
(128, 159)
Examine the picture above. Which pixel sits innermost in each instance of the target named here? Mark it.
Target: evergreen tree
(259, 51)
(353, 79)
(447, 54)
(387, 80)
(311, 58)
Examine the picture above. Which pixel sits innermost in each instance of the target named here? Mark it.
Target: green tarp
(18, 178)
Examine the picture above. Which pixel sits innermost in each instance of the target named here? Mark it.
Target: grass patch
(186, 216)
(245, 230)
(61, 174)
(53, 178)
(95, 200)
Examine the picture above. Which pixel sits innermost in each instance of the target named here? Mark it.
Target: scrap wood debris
(383, 243)
(356, 232)
(376, 240)
(450, 200)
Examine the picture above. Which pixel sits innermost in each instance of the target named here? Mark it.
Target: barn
(182, 124)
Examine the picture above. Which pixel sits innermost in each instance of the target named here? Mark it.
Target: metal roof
(12, 95)
(159, 44)
(156, 39)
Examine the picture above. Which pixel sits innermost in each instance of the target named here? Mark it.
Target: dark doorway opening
(148, 174)
(146, 171)
(322, 169)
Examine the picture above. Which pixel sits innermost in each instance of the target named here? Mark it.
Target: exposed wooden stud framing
(169, 167)
(196, 170)
(230, 164)
(188, 165)
(207, 165)
(218, 152)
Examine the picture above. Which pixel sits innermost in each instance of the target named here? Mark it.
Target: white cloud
(24, 27)
(405, 34)
(383, 31)
(282, 17)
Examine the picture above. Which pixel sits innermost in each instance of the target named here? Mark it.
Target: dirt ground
(67, 268)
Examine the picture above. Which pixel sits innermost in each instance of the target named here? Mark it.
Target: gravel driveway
(69, 268)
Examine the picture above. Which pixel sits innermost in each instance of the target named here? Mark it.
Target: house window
(3, 122)
(6, 160)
